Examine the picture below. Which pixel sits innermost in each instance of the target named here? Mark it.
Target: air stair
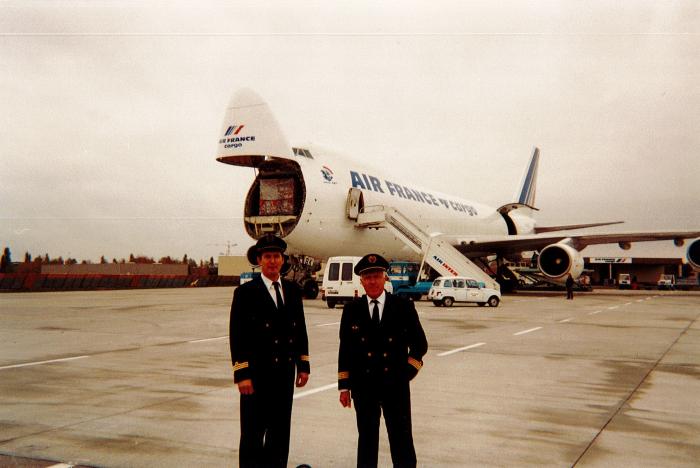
(435, 250)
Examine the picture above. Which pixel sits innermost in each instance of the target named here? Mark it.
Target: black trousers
(395, 402)
(265, 421)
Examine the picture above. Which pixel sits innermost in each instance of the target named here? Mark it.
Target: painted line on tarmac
(315, 390)
(627, 303)
(613, 307)
(527, 331)
(640, 300)
(566, 320)
(327, 324)
(61, 465)
(594, 312)
(208, 339)
(27, 364)
(464, 348)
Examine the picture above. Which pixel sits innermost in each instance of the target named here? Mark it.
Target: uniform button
(362, 339)
(267, 325)
(369, 354)
(385, 354)
(290, 359)
(386, 369)
(277, 360)
(291, 341)
(368, 371)
(277, 341)
(390, 339)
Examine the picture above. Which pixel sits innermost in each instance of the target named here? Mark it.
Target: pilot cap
(267, 243)
(371, 262)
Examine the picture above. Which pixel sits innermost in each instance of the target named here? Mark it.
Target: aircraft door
(460, 290)
(355, 203)
(473, 292)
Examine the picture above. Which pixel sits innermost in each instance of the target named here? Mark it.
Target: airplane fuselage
(321, 183)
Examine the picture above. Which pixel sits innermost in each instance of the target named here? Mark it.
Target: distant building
(646, 270)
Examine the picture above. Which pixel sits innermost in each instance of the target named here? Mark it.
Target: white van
(447, 290)
(340, 283)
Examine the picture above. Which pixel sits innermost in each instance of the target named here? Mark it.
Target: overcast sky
(111, 110)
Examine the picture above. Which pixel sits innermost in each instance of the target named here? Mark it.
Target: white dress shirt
(271, 287)
(381, 300)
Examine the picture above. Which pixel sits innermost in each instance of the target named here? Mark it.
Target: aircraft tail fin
(250, 133)
(528, 185)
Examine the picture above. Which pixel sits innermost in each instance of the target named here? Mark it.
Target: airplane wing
(480, 246)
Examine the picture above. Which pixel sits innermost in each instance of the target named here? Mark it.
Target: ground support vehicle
(445, 291)
(624, 281)
(404, 280)
(666, 282)
(340, 283)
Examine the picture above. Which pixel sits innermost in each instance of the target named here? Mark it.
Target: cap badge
(372, 259)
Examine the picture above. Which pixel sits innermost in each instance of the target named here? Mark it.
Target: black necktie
(375, 313)
(280, 302)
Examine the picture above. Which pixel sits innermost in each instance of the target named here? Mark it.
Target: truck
(666, 282)
(624, 281)
(404, 280)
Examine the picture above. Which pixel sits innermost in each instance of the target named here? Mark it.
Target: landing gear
(310, 289)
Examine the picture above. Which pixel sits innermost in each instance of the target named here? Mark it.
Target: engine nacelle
(693, 254)
(556, 261)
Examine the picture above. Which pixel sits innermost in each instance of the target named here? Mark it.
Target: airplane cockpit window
(302, 152)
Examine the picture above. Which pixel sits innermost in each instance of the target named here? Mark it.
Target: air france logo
(234, 129)
(327, 174)
(232, 139)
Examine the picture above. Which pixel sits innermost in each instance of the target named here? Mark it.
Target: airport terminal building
(605, 271)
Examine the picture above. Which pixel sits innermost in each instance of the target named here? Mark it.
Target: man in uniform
(269, 345)
(570, 287)
(381, 347)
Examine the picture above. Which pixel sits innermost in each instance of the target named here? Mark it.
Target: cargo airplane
(313, 197)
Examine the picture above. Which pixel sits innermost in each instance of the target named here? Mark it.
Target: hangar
(605, 271)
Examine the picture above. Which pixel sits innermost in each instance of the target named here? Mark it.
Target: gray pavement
(142, 378)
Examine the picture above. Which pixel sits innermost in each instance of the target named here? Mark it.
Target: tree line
(6, 263)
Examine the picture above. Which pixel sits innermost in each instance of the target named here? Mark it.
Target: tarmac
(142, 378)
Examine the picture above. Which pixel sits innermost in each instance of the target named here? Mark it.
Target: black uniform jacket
(262, 338)
(389, 355)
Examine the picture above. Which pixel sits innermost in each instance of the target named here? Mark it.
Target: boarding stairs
(436, 250)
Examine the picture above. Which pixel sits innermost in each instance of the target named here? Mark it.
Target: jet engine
(556, 261)
(693, 254)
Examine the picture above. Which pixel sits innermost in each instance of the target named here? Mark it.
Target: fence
(51, 282)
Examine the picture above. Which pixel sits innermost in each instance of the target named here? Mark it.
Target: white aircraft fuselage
(311, 197)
